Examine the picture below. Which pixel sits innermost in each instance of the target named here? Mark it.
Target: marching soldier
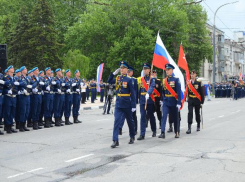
(9, 106)
(93, 90)
(102, 91)
(76, 97)
(146, 97)
(171, 101)
(195, 100)
(125, 102)
(158, 87)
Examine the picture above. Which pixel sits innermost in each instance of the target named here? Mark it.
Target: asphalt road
(82, 152)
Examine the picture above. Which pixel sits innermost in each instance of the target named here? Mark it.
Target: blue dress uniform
(42, 89)
(102, 91)
(36, 100)
(76, 98)
(1, 98)
(93, 91)
(9, 105)
(17, 113)
(125, 102)
(87, 91)
(150, 105)
(58, 99)
(170, 103)
(48, 100)
(68, 98)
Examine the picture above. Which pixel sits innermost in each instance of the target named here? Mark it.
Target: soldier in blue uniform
(146, 89)
(125, 102)
(76, 97)
(93, 90)
(1, 97)
(68, 96)
(171, 101)
(17, 113)
(42, 88)
(87, 90)
(10, 91)
(102, 91)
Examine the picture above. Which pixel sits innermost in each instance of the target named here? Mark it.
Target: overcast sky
(229, 18)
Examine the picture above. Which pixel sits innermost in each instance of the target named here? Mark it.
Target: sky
(229, 18)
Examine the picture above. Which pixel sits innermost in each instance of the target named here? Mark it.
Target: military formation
(152, 95)
(32, 98)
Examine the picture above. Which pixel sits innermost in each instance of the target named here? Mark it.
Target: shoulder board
(198, 80)
(158, 79)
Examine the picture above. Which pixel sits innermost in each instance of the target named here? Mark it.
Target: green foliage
(74, 60)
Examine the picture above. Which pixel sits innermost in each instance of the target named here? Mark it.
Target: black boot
(198, 126)
(189, 129)
(1, 133)
(177, 135)
(115, 144)
(131, 141)
(75, 120)
(40, 122)
(12, 129)
(24, 127)
(141, 137)
(50, 122)
(46, 123)
(120, 131)
(21, 129)
(162, 135)
(57, 122)
(60, 122)
(67, 122)
(8, 129)
(29, 123)
(35, 125)
(78, 121)
(170, 128)
(154, 134)
(17, 125)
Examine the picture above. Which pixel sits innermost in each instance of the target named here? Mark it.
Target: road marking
(20, 174)
(221, 116)
(71, 160)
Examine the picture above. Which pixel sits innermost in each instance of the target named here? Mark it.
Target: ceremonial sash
(194, 91)
(147, 88)
(170, 89)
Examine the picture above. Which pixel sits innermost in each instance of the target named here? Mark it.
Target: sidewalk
(96, 105)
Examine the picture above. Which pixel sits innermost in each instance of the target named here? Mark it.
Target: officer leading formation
(30, 96)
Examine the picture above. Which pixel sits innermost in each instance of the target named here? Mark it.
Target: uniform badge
(157, 86)
(125, 84)
(196, 86)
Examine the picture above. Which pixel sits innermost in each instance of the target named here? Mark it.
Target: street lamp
(214, 68)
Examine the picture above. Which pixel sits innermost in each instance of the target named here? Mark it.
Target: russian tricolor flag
(162, 57)
(99, 75)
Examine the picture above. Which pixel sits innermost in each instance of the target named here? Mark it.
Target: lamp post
(214, 56)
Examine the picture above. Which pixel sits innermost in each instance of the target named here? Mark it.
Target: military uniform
(1, 98)
(125, 103)
(92, 87)
(76, 98)
(195, 99)
(102, 91)
(158, 87)
(171, 103)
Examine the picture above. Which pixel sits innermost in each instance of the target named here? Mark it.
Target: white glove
(10, 92)
(147, 96)
(53, 83)
(133, 109)
(42, 93)
(161, 102)
(63, 84)
(41, 83)
(35, 90)
(25, 92)
(16, 83)
(178, 106)
(48, 88)
(68, 91)
(29, 86)
(116, 72)
(2, 82)
(74, 84)
(59, 91)
(19, 92)
(77, 90)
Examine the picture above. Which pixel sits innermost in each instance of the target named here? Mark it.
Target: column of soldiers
(30, 96)
(153, 95)
(234, 89)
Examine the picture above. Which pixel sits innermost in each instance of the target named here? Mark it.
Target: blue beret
(146, 65)
(17, 71)
(76, 71)
(5, 71)
(67, 71)
(22, 68)
(123, 64)
(58, 69)
(11, 66)
(40, 72)
(52, 71)
(130, 68)
(34, 68)
(30, 71)
(169, 66)
(48, 68)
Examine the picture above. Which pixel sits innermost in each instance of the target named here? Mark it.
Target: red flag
(182, 63)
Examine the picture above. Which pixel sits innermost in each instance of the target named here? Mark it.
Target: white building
(239, 36)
